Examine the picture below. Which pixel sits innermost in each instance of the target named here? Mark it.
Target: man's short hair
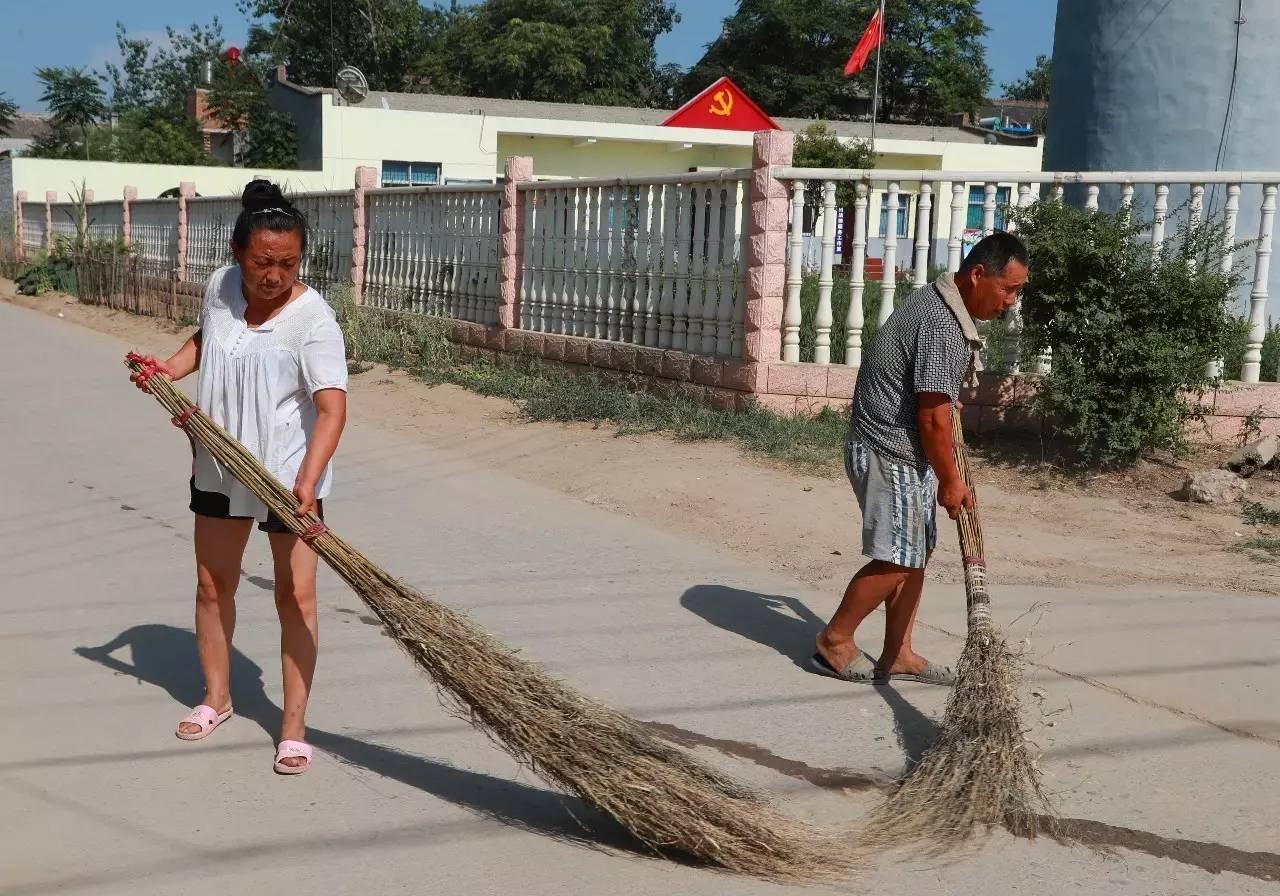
(995, 252)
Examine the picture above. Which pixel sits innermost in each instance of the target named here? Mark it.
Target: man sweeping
(898, 455)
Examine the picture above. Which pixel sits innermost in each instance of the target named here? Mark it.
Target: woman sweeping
(273, 374)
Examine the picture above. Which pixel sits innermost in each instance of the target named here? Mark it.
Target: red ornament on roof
(722, 106)
(232, 55)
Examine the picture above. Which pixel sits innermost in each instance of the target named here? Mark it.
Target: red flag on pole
(866, 44)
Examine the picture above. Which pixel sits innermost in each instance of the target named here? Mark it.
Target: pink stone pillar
(518, 170)
(21, 248)
(366, 179)
(49, 199)
(126, 216)
(186, 190)
(767, 247)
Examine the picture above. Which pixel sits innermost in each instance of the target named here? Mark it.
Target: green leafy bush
(1131, 330)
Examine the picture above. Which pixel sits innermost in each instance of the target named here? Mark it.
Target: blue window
(977, 196)
(410, 174)
(904, 204)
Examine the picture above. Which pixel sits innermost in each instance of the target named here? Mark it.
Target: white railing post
(667, 302)
(792, 312)
(857, 277)
(955, 242)
(1091, 203)
(730, 240)
(889, 280)
(1159, 218)
(822, 320)
(1126, 197)
(989, 208)
(599, 320)
(1214, 369)
(20, 248)
(711, 273)
(684, 237)
(1013, 342)
(697, 270)
(924, 234)
(1258, 297)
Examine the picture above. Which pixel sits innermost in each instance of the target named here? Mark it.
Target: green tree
(314, 38)
(159, 76)
(149, 136)
(818, 147)
(239, 99)
(74, 99)
(554, 50)
(8, 114)
(790, 54)
(273, 140)
(1034, 84)
(69, 143)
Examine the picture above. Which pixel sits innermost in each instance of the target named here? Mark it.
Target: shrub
(1131, 329)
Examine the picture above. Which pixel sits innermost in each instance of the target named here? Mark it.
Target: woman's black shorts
(218, 506)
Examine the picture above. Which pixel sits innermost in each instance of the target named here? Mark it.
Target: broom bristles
(981, 770)
(671, 802)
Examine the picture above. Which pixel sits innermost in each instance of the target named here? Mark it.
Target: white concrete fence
(653, 262)
(707, 263)
(434, 250)
(940, 202)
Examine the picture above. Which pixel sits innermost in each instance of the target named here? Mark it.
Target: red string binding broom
(667, 799)
(981, 770)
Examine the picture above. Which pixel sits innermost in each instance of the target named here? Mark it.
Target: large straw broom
(981, 770)
(671, 802)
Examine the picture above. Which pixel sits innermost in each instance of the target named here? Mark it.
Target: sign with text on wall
(722, 106)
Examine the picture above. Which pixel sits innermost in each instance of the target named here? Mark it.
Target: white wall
(108, 179)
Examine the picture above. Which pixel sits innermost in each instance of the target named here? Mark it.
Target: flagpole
(875, 94)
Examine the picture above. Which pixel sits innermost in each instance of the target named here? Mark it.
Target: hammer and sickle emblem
(723, 105)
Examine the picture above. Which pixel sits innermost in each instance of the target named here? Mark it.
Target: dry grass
(672, 803)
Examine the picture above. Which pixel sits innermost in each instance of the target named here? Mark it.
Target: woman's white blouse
(258, 384)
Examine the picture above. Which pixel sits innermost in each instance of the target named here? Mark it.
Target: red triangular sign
(724, 107)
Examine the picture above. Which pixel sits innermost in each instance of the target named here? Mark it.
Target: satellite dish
(351, 85)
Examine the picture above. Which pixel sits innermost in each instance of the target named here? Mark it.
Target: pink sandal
(288, 749)
(206, 717)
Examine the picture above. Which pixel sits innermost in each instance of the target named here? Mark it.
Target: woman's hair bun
(262, 194)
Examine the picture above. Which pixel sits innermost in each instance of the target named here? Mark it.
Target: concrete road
(1158, 712)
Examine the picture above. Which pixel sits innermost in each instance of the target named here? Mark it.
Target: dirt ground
(1042, 527)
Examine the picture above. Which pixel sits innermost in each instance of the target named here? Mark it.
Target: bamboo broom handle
(971, 547)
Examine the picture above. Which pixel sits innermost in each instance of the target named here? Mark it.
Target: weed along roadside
(419, 344)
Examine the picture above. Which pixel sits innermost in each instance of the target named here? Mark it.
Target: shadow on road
(165, 656)
(786, 625)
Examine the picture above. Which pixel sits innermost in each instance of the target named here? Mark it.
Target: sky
(82, 33)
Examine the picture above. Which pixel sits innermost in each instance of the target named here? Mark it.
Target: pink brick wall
(126, 215)
(186, 190)
(366, 179)
(766, 248)
(518, 170)
(50, 197)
